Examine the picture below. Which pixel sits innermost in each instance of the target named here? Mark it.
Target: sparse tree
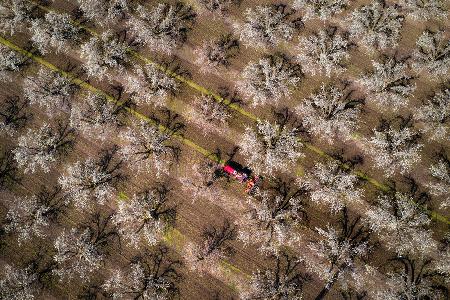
(439, 186)
(331, 113)
(432, 55)
(442, 264)
(94, 180)
(151, 85)
(423, 10)
(54, 31)
(97, 118)
(30, 216)
(213, 111)
(163, 27)
(338, 252)
(324, 52)
(271, 147)
(214, 54)
(395, 146)
(377, 25)
(213, 248)
(410, 278)
(8, 169)
(401, 224)
(273, 216)
(331, 186)
(389, 84)
(15, 15)
(104, 12)
(434, 115)
(268, 26)
(82, 251)
(200, 180)
(270, 79)
(285, 280)
(11, 62)
(41, 148)
(18, 283)
(145, 217)
(105, 53)
(220, 7)
(152, 276)
(148, 149)
(321, 9)
(50, 90)
(13, 115)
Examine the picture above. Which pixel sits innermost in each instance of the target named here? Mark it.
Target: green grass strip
(110, 98)
(172, 236)
(434, 215)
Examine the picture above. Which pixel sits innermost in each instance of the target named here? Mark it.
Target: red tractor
(241, 174)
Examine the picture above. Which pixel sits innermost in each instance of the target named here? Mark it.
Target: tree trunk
(328, 286)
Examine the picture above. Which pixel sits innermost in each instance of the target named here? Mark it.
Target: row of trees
(153, 275)
(339, 257)
(388, 86)
(270, 147)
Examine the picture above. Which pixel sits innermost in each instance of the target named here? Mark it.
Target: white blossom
(199, 181)
(213, 111)
(269, 80)
(214, 54)
(15, 14)
(432, 55)
(389, 84)
(394, 147)
(150, 85)
(17, 284)
(332, 249)
(148, 149)
(338, 254)
(144, 217)
(54, 31)
(205, 258)
(282, 281)
(11, 62)
(332, 187)
(401, 225)
(413, 278)
(267, 25)
(77, 255)
(321, 9)
(376, 25)
(330, 113)
(153, 277)
(323, 52)
(50, 90)
(220, 7)
(270, 148)
(96, 117)
(439, 186)
(104, 12)
(271, 219)
(434, 114)
(94, 180)
(104, 53)
(27, 217)
(164, 27)
(423, 10)
(40, 148)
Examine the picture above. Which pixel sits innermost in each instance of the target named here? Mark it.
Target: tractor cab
(241, 174)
